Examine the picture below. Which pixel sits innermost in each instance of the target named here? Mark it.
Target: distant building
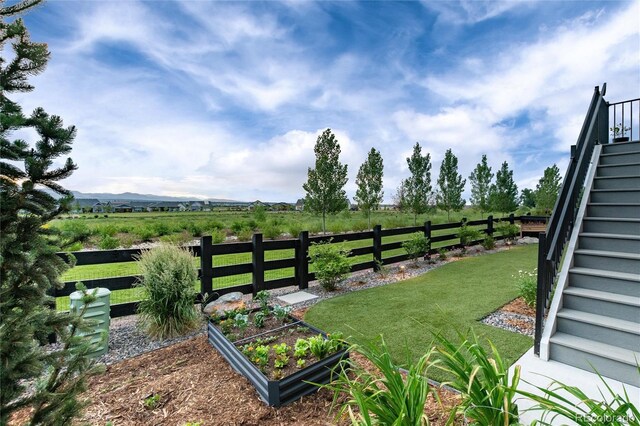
(300, 205)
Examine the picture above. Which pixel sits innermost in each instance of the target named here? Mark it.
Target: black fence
(257, 271)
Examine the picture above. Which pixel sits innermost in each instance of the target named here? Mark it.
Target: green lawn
(452, 297)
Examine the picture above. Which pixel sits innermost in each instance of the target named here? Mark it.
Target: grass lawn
(452, 297)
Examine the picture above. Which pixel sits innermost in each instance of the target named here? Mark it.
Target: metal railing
(623, 125)
(552, 243)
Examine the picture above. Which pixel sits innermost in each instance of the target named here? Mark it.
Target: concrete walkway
(538, 373)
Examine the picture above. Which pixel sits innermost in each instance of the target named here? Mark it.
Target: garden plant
(331, 263)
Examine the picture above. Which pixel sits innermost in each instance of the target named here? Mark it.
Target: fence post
(377, 247)
(512, 220)
(206, 266)
(258, 263)
(427, 235)
(490, 229)
(302, 260)
(541, 293)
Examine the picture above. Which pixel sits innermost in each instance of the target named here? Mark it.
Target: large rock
(225, 303)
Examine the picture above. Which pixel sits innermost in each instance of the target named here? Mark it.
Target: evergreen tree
(504, 192)
(547, 189)
(29, 266)
(369, 181)
(528, 198)
(325, 183)
(417, 188)
(480, 180)
(451, 185)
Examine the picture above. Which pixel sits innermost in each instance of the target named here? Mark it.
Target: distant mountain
(132, 196)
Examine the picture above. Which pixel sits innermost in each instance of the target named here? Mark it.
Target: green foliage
(547, 189)
(384, 396)
(259, 213)
(528, 198)
(330, 262)
(416, 245)
(262, 297)
(480, 180)
(483, 380)
(245, 234)
(613, 409)
(442, 254)
(218, 236)
(282, 359)
(504, 193)
(72, 231)
(258, 319)
(325, 183)
(301, 348)
(369, 194)
(489, 242)
(320, 347)
(271, 231)
(152, 401)
(508, 231)
(527, 283)
(29, 267)
(281, 313)
(451, 185)
(468, 235)
(241, 322)
(619, 130)
(167, 305)
(145, 233)
(300, 363)
(295, 229)
(108, 243)
(416, 189)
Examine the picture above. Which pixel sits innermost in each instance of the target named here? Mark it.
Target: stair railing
(623, 125)
(552, 243)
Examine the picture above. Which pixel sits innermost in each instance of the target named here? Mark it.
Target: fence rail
(256, 266)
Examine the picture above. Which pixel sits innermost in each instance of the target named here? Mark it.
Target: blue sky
(226, 99)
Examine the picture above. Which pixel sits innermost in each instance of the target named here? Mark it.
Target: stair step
(604, 296)
(621, 147)
(597, 279)
(615, 196)
(601, 302)
(607, 260)
(616, 182)
(613, 225)
(608, 360)
(626, 169)
(631, 210)
(611, 242)
(600, 328)
(620, 158)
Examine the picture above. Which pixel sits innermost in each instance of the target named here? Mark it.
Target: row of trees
(325, 184)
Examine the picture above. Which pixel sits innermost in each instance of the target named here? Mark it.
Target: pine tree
(417, 188)
(451, 185)
(504, 192)
(528, 198)
(547, 189)
(480, 180)
(369, 181)
(325, 182)
(29, 266)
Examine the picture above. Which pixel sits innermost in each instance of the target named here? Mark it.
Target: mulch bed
(195, 384)
(518, 306)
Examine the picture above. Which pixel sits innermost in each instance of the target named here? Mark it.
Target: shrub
(468, 235)
(195, 229)
(214, 224)
(360, 225)
(295, 229)
(489, 242)
(384, 394)
(330, 262)
(271, 231)
(245, 235)
(108, 243)
(218, 236)
(508, 231)
(145, 233)
(75, 230)
(527, 283)
(160, 229)
(416, 246)
(442, 254)
(483, 380)
(337, 227)
(167, 305)
(178, 239)
(107, 230)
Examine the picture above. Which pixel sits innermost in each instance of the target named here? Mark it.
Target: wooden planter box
(286, 390)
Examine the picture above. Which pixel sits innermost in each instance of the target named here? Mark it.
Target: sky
(226, 99)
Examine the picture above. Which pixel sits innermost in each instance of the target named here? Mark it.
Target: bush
(214, 224)
(468, 235)
(330, 262)
(360, 225)
(145, 233)
(386, 394)
(442, 254)
(488, 243)
(245, 234)
(295, 229)
(195, 229)
(107, 230)
(416, 246)
(75, 230)
(527, 283)
(160, 229)
(271, 231)
(508, 231)
(483, 380)
(337, 227)
(167, 281)
(108, 243)
(218, 236)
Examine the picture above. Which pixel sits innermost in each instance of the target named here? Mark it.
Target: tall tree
(29, 266)
(547, 189)
(369, 181)
(450, 185)
(325, 182)
(417, 187)
(504, 192)
(480, 180)
(399, 198)
(528, 198)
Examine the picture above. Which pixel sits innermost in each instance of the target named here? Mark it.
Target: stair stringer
(567, 264)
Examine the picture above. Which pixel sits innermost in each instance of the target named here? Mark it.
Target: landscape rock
(225, 303)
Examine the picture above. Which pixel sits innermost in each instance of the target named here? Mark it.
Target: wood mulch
(518, 306)
(195, 384)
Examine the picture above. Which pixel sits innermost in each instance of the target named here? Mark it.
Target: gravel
(127, 340)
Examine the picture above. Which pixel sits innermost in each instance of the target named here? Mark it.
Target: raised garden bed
(276, 386)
